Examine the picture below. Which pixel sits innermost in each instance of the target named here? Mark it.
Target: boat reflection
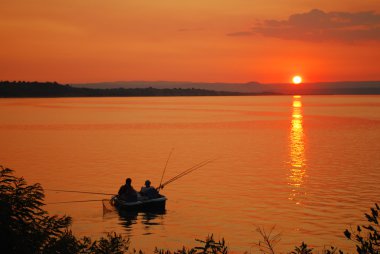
(297, 153)
(127, 218)
(149, 219)
(152, 218)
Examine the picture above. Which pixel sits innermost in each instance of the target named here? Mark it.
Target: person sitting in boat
(149, 191)
(127, 192)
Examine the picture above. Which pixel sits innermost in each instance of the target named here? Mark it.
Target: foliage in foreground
(208, 246)
(25, 227)
(367, 237)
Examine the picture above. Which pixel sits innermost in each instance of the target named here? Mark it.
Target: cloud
(189, 29)
(242, 33)
(317, 26)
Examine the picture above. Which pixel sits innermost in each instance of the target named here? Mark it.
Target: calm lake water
(309, 165)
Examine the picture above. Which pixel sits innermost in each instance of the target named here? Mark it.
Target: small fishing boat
(142, 204)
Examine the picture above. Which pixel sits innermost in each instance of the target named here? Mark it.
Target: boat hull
(147, 205)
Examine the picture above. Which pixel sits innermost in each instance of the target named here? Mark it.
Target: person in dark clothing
(127, 192)
(149, 191)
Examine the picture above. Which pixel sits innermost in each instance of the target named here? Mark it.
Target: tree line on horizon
(25, 89)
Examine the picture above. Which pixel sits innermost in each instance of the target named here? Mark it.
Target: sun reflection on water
(297, 153)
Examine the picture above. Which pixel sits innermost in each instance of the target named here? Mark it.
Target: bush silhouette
(367, 237)
(25, 227)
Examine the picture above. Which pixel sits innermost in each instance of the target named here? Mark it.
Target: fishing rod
(187, 171)
(167, 161)
(74, 201)
(86, 192)
(161, 186)
(201, 164)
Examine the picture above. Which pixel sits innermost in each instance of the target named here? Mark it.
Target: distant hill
(162, 88)
(344, 87)
(252, 87)
(52, 89)
(329, 88)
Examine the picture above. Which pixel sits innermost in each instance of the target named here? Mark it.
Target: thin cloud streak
(319, 26)
(190, 29)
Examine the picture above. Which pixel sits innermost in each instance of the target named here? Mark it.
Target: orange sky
(73, 41)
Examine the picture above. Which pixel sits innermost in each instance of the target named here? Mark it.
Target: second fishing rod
(187, 171)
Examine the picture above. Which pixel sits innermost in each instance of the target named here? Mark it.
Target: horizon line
(195, 82)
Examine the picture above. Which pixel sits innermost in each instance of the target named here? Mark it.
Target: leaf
(347, 234)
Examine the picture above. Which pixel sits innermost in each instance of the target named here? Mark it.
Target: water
(307, 165)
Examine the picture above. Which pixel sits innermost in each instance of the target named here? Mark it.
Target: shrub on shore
(25, 227)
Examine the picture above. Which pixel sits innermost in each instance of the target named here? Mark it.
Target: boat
(142, 204)
(156, 204)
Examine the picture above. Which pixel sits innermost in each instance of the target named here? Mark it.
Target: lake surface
(309, 165)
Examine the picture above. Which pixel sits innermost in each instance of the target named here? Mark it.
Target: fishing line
(74, 201)
(86, 192)
(167, 161)
(187, 171)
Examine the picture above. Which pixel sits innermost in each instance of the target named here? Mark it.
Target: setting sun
(297, 80)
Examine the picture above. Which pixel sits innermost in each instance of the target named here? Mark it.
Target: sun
(297, 80)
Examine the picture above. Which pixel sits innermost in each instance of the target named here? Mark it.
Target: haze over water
(309, 165)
